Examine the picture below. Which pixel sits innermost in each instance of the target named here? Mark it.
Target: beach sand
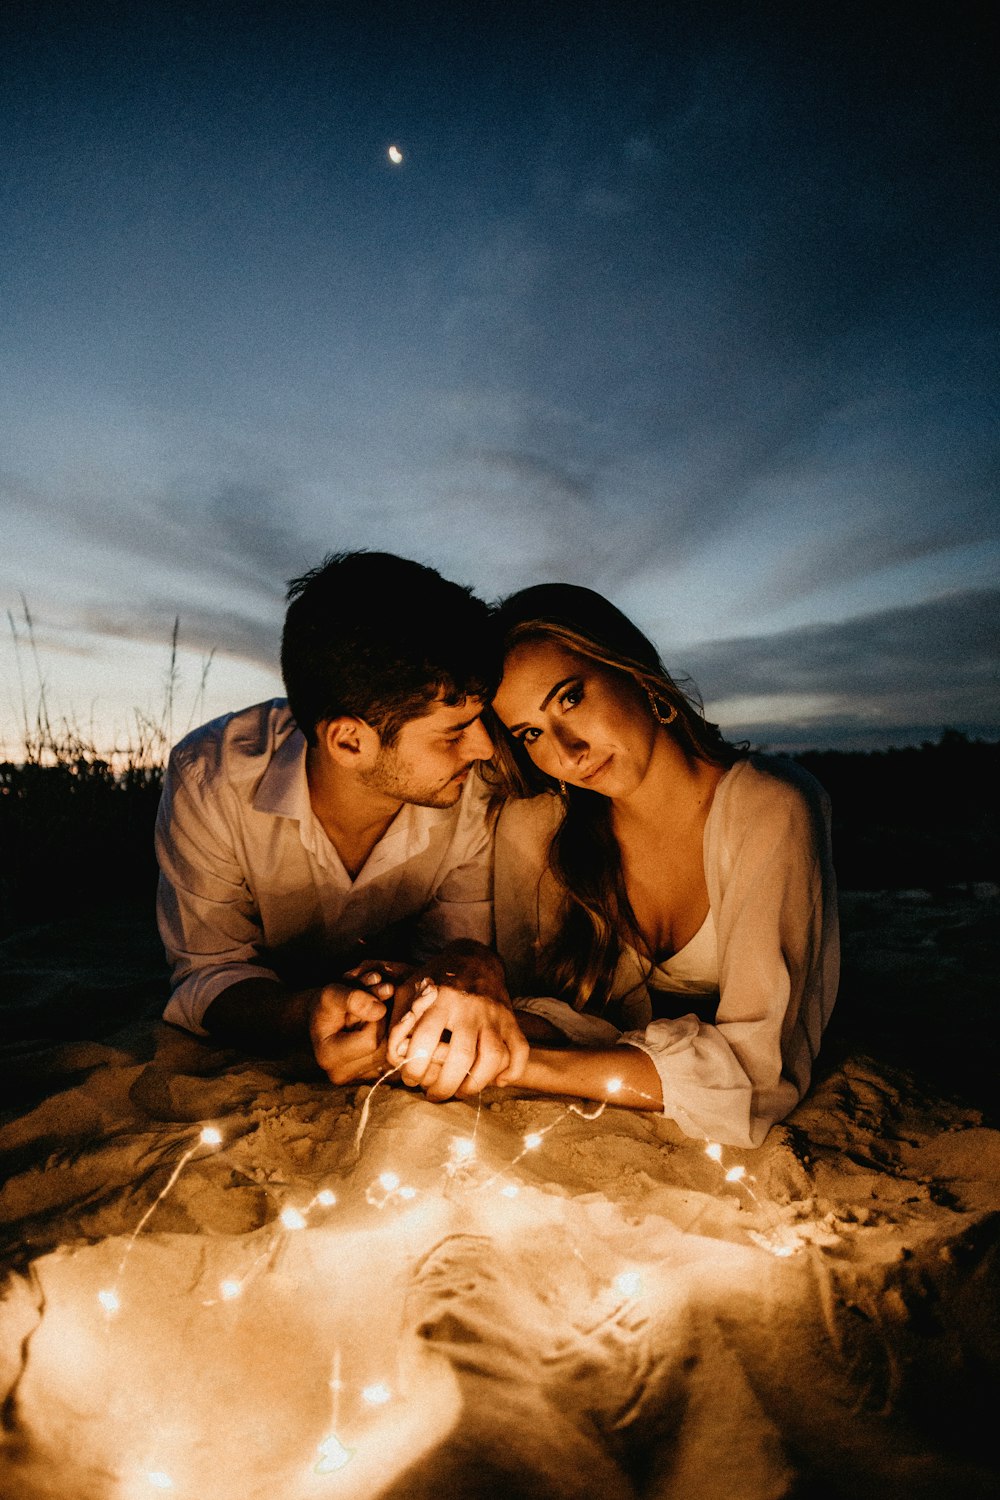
(606, 1311)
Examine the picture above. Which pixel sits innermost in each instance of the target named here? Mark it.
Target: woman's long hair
(596, 922)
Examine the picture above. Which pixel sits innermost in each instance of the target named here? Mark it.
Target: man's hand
(458, 1001)
(347, 1030)
(381, 977)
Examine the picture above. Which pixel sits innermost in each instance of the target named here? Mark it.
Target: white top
(774, 962)
(251, 887)
(693, 969)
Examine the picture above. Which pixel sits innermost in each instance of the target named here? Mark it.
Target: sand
(608, 1311)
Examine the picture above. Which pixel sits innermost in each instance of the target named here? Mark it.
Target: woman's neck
(676, 784)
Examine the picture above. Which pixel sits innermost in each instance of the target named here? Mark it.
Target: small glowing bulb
(292, 1218)
(735, 1174)
(614, 1085)
(376, 1395)
(160, 1481)
(395, 155)
(389, 1181)
(333, 1455)
(511, 1190)
(421, 1052)
(532, 1141)
(783, 1250)
(407, 1192)
(210, 1136)
(109, 1300)
(714, 1150)
(230, 1289)
(463, 1148)
(327, 1198)
(629, 1284)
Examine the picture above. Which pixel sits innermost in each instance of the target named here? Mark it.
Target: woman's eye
(572, 696)
(530, 736)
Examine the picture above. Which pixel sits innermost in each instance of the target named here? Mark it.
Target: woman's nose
(570, 748)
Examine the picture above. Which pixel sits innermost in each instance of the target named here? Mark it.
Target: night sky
(697, 306)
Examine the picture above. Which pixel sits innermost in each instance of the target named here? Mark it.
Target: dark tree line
(926, 816)
(75, 836)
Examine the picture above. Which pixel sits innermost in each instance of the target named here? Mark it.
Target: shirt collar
(411, 830)
(283, 788)
(284, 791)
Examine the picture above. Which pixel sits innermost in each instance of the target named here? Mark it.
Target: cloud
(537, 480)
(221, 530)
(246, 636)
(511, 516)
(928, 665)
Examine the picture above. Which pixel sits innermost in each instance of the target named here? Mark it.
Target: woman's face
(580, 722)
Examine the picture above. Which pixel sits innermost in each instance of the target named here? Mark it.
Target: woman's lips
(597, 770)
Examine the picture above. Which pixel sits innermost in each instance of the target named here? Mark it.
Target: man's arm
(212, 933)
(206, 911)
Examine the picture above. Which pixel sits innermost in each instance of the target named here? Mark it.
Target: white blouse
(769, 950)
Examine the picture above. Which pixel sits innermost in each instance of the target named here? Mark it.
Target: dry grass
(75, 832)
(76, 822)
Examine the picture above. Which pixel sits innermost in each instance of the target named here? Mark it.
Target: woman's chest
(665, 883)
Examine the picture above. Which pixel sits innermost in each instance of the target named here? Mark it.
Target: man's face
(432, 756)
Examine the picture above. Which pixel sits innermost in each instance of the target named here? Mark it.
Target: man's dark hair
(379, 638)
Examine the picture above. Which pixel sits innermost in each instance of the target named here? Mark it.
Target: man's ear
(349, 742)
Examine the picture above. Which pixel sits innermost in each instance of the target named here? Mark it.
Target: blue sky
(696, 306)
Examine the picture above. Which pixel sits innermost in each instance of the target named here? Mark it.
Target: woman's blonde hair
(596, 920)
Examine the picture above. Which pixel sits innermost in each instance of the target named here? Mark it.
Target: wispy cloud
(229, 531)
(244, 635)
(930, 665)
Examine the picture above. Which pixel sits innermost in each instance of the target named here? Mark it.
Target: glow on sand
(293, 1287)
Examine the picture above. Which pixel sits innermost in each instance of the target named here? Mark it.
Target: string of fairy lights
(389, 1189)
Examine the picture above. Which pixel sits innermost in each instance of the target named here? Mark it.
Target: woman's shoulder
(760, 784)
(529, 820)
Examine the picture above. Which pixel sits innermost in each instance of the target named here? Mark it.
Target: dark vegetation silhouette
(76, 824)
(925, 817)
(76, 835)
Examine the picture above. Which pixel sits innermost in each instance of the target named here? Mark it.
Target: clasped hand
(347, 1028)
(448, 1038)
(453, 1042)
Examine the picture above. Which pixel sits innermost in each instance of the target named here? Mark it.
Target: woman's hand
(460, 1005)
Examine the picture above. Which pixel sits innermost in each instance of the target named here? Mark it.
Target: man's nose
(478, 745)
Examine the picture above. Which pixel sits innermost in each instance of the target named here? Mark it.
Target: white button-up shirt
(251, 887)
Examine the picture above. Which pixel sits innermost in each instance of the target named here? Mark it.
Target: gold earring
(562, 789)
(654, 704)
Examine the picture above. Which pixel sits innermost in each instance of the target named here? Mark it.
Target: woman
(655, 886)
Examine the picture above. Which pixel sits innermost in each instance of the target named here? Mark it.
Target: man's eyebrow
(454, 728)
(545, 702)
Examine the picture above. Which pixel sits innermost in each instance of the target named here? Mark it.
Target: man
(292, 835)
